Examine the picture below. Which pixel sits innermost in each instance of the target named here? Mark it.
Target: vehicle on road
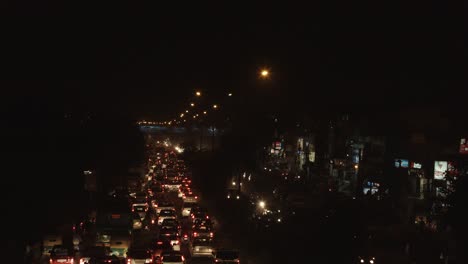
(166, 214)
(202, 231)
(201, 246)
(62, 255)
(187, 207)
(140, 210)
(49, 242)
(164, 205)
(94, 252)
(139, 256)
(233, 194)
(226, 256)
(158, 247)
(172, 258)
(119, 243)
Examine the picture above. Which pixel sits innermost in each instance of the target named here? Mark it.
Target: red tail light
(195, 234)
(207, 217)
(129, 260)
(185, 235)
(211, 234)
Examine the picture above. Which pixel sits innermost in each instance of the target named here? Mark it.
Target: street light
(215, 106)
(261, 204)
(264, 73)
(192, 104)
(229, 94)
(186, 111)
(198, 93)
(204, 112)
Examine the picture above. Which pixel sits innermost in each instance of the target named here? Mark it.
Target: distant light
(192, 104)
(261, 204)
(264, 73)
(182, 115)
(186, 111)
(194, 116)
(204, 112)
(234, 183)
(215, 106)
(229, 94)
(198, 93)
(356, 166)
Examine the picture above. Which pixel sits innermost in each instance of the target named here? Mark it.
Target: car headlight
(362, 261)
(371, 261)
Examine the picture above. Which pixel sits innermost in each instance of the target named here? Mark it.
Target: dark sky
(146, 62)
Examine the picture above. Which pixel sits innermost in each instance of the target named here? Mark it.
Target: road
(326, 229)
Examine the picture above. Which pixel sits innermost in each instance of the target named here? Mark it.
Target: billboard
(415, 165)
(404, 163)
(440, 167)
(464, 146)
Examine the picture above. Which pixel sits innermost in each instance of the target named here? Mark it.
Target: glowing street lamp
(204, 112)
(261, 204)
(215, 106)
(198, 93)
(229, 94)
(264, 73)
(192, 104)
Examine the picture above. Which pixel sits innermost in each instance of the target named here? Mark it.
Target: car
(366, 259)
(139, 256)
(172, 258)
(202, 223)
(94, 252)
(202, 231)
(168, 231)
(60, 254)
(140, 210)
(137, 222)
(49, 242)
(233, 194)
(190, 197)
(158, 247)
(169, 222)
(164, 205)
(187, 207)
(196, 216)
(154, 204)
(201, 246)
(226, 256)
(166, 214)
(172, 185)
(151, 217)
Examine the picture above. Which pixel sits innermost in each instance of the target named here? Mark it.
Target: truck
(115, 219)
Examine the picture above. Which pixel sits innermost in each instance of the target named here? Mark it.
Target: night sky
(145, 66)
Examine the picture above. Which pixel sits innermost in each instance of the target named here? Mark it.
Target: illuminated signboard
(404, 163)
(464, 146)
(440, 167)
(415, 165)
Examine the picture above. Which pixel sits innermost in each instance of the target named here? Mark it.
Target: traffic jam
(159, 218)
